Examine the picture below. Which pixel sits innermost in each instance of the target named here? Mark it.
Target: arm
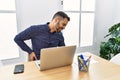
(25, 35)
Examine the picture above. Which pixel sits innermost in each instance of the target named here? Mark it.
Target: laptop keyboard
(37, 62)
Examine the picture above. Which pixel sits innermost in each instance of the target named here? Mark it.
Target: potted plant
(112, 46)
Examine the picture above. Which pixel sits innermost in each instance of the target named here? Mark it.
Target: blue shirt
(41, 37)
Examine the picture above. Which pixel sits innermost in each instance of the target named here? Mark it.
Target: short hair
(61, 14)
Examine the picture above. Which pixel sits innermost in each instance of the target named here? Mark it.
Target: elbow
(15, 39)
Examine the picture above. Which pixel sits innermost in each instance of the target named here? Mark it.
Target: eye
(62, 28)
(64, 24)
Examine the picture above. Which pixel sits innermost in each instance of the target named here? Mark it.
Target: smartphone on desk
(19, 68)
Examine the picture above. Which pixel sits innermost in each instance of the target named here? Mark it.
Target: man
(43, 36)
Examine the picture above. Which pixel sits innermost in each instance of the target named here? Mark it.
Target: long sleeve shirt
(41, 37)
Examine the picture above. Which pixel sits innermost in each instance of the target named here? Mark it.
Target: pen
(81, 56)
(83, 59)
(82, 63)
(88, 59)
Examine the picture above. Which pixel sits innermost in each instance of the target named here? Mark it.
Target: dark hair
(61, 14)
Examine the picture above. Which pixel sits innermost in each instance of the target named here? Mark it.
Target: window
(80, 29)
(8, 27)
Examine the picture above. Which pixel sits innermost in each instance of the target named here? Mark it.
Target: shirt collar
(47, 26)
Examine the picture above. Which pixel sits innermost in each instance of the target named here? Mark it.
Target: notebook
(55, 57)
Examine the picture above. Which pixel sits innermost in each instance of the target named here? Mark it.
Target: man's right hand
(32, 56)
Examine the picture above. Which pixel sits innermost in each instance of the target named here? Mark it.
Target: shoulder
(37, 26)
(60, 33)
(60, 36)
(40, 27)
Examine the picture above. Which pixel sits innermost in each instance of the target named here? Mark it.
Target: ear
(56, 19)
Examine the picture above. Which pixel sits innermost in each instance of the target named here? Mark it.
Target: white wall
(117, 11)
(35, 11)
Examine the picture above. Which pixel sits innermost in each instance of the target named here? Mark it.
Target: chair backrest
(116, 59)
(1, 63)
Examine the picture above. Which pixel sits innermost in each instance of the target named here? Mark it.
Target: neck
(50, 27)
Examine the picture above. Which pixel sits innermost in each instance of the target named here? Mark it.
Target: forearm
(25, 35)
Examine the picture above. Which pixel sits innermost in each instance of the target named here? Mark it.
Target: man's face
(61, 24)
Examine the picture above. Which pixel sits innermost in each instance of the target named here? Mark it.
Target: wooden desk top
(103, 70)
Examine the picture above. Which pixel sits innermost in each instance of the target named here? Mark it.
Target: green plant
(112, 46)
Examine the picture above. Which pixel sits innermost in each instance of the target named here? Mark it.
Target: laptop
(55, 57)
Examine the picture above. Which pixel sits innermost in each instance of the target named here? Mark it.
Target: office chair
(116, 59)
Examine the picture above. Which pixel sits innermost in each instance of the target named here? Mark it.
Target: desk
(103, 70)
